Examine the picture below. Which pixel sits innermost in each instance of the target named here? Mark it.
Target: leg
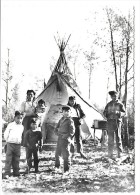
(35, 155)
(78, 139)
(44, 133)
(8, 161)
(58, 153)
(29, 157)
(110, 137)
(15, 160)
(66, 154)
(118, 138)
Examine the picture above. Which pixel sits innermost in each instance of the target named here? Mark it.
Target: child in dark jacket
(65, 130)
(33, 142)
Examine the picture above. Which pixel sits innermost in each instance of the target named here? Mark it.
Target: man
(114, 111)
(77, 115)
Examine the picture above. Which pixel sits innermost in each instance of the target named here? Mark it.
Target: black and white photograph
(69, 96)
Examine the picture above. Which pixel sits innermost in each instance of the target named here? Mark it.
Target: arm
(105, 113)
(57, 127)
(71, 130)
(82, 114)
(122, 110)
(6, 133)
(26, 139)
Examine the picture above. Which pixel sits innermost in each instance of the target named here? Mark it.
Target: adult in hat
(77, 115)
(114, 111)
(28, 109)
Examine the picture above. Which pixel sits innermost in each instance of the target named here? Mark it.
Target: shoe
(6, 177)
(66, 173)
(119, 155)
(110, 156)
(36, 170)
(27, 170)
(83, 156)
(16, 175)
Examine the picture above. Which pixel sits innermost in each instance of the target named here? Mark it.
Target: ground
(98, 173)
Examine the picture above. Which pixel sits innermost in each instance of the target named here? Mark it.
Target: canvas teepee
(60, 86)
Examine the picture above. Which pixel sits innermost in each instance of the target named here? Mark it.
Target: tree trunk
(112, 48)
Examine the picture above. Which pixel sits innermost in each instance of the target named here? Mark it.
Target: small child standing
(40, 110)
(33, 142)
(65, 130)
(13, 137)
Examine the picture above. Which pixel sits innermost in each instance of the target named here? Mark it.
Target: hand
(81, 121)
(118, 113)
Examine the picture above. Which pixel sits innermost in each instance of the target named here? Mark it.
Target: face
(114, 97)
(41, 104)
(71, 102)
(66, 113)
(18, 119)
(33, 126)
(30, 96)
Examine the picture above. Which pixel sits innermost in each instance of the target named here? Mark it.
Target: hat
(17, 113)
(30, 91)
(72, 98)
(66, 108)
(111, 93)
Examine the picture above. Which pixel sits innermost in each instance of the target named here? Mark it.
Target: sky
(28, 30)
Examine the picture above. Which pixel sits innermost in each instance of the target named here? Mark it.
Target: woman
(28, 109)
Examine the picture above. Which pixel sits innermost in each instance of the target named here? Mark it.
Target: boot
(36, 168)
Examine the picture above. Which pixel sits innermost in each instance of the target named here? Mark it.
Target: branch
(4, 101)
(130, 68)
(127, 81)
(4, 80)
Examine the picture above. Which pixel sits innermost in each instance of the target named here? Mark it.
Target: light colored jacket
(13, 133)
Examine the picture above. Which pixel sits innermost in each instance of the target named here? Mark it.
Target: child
(13, 136)
(65, 130)
(33, 139)
(41, 112)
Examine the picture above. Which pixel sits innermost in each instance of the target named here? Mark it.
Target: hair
(41, 101)
(66, 108)
(30, 91)
(72, 98)
(17, 113)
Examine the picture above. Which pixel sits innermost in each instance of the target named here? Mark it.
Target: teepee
(60, 86)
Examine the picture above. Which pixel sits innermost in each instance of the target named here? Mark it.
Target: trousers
(63, 148)
(114, 131)
(77, 136)
(12, 158)
(29, 153)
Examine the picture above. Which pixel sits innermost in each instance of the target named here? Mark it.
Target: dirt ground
(98, 173)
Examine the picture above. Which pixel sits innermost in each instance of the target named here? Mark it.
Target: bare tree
(7, 77)
(90, 65)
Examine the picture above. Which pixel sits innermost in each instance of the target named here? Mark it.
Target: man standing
(77, 115)
(114, 111)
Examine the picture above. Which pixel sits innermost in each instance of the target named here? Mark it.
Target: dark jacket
(65, 128)
(114, 110)
(79, 111)
(32, 138)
